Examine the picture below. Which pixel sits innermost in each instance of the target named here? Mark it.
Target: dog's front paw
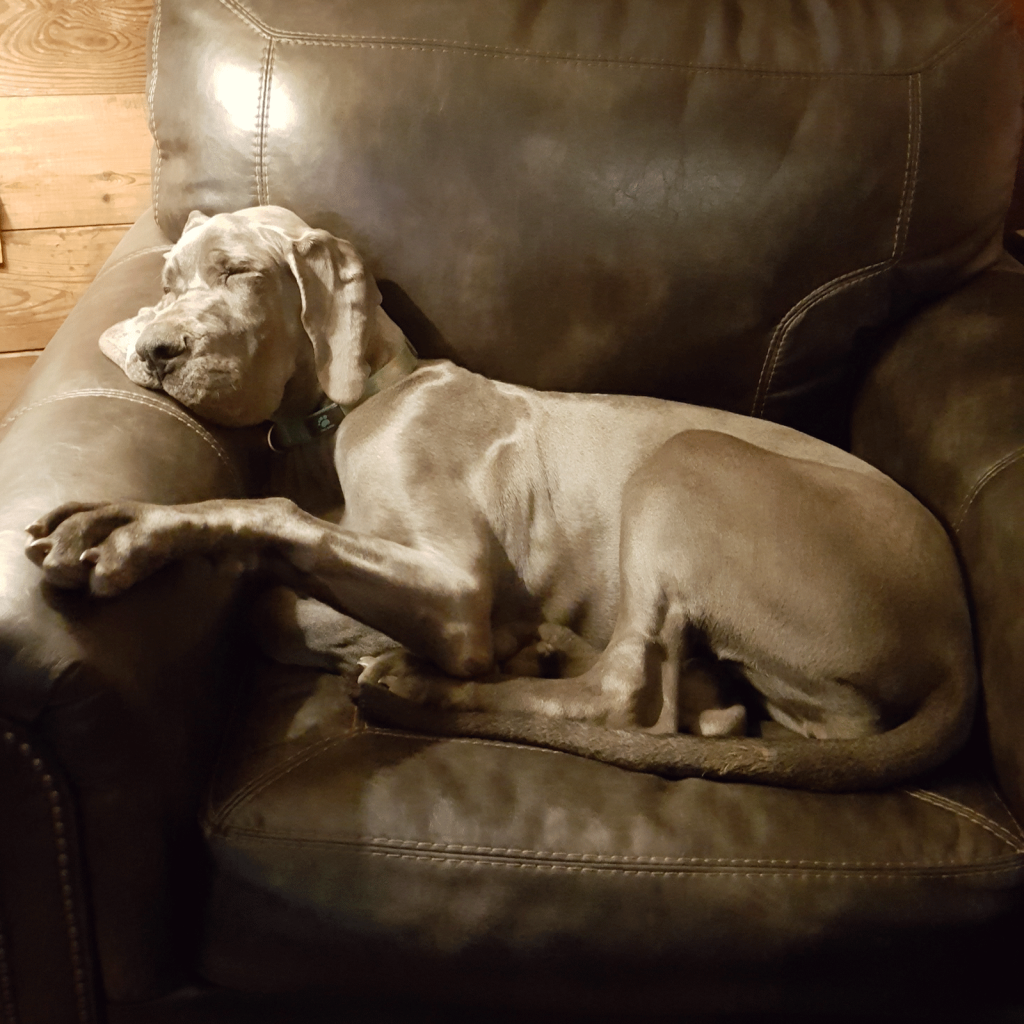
(103, 547)
(57, 543)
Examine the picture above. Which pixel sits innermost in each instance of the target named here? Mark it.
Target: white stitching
(268, 31)
(127, 396)
(906, 871)
(276, 773)
(63, 874)
(262, 119)
(1018, 831)
(968, 814)
(279, 771)
(914, 112)
(131, 256)
(796, 314)
(152, 110)
(993, 471)
(465, 740)
(639, 860)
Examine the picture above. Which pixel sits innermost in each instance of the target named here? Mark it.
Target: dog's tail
(935, 731)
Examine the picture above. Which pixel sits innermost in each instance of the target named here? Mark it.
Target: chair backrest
(717, 201)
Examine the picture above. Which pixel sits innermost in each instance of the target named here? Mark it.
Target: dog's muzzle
(160, 346)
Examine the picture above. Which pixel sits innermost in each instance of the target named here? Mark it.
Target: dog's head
(251, 300)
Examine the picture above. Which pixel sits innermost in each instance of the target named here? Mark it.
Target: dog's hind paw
(558, 653)
(730, 721)
(399, 672)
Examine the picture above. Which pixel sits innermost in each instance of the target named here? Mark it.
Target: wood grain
(44, 275)
(13, 370)
(64, 47)
(73, 160)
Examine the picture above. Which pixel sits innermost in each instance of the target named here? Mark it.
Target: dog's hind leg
(632, 684)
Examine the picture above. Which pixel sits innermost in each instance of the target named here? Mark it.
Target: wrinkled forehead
(222, 244)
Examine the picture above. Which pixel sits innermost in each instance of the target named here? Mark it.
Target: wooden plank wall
(74, 159)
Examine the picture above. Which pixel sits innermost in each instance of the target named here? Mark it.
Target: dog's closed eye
(237, 272)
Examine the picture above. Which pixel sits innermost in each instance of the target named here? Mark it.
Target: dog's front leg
(437, 606)
(293, 629)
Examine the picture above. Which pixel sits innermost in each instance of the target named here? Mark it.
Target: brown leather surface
(943, 413)
(207, 1005)
(709, 201)
(124, 692)
(703, 201)
(47, 970)
(348, 856)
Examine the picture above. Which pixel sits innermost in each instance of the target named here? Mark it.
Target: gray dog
(582, 572)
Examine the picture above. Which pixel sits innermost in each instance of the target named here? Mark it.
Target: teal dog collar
(290, 432)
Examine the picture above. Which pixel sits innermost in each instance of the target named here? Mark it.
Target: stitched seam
(948, 805)
(610, 860)
(275, 774)
(376, 730)
(127, 396)
(993, 14)
(264, 164)
(795, 315)
(990, 474)
(914, 111)
(1017, 830)
(262, 118)
(63, 873)
(152, 110)
(780, 335)
(131, 256)
(262, 782)
(489, 50)
(1011, 867)
(969, 814)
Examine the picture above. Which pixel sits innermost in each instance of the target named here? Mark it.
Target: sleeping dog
(598, 574)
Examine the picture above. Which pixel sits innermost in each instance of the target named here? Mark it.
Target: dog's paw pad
(731, 721)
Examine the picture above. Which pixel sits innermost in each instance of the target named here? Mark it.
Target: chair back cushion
(717, 201)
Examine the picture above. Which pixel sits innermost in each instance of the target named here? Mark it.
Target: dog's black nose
(160, 345)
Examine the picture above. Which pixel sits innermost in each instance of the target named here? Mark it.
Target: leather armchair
(793, 211)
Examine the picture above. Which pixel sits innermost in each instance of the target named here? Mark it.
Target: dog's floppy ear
(117, 343)
(195, 219)
(339, 297)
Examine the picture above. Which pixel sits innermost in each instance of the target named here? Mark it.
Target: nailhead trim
(66, 888)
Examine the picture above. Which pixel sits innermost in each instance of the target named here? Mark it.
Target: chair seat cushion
(357, 858)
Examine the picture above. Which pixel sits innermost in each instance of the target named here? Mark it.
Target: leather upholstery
(47, 970)
(702, 201)
(124, 692)
(346, 854)
(942, 414)
(722, 201)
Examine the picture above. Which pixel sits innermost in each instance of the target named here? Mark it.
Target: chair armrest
(943, 413)
(126, 695)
